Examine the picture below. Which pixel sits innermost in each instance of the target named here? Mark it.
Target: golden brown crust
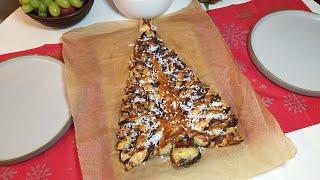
(167, 110)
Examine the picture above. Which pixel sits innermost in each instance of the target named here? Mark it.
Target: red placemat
(291, 110)
(53, 50)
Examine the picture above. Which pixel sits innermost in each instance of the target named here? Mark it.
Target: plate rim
(265, 71)
(53, 140)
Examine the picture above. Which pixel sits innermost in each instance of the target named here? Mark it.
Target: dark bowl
(64, 21)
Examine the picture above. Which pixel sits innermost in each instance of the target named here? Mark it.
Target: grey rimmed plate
(34, 111)
(285, 46)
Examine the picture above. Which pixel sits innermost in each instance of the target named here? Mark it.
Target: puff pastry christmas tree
(167, 110)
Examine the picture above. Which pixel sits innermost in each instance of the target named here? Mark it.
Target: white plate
(285, 48)
(33, 109)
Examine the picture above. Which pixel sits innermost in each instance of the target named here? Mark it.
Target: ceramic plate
(285, 47)
(33, 108)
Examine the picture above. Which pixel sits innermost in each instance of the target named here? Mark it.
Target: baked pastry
(167, 110)
(209, 1)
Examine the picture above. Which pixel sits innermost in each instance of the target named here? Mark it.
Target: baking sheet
(97, 59)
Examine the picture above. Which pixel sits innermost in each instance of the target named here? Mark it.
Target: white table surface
(19, 32)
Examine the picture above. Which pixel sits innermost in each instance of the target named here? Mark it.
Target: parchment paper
(96, 59)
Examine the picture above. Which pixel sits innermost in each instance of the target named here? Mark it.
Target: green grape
(24, 1)
(35, 3)
(42, 13)
(42, 7)
(76, 3)
(54, 9)
(27, 8)
(47, 2)
(63, 3)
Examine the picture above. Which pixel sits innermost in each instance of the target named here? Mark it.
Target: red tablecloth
(292, 111)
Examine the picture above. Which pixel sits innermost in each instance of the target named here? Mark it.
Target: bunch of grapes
(54, 7)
